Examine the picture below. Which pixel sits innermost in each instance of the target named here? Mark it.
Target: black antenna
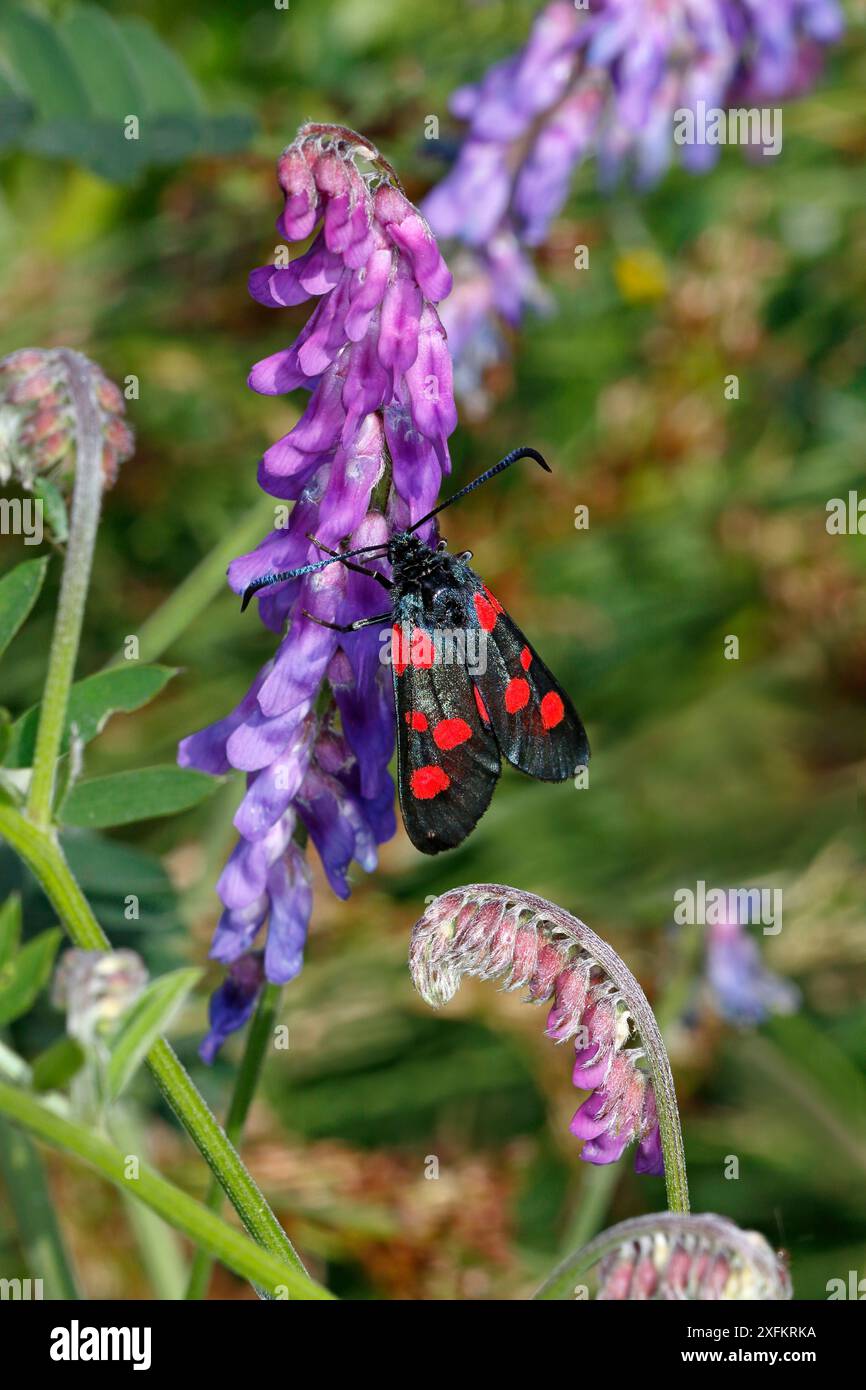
(268, 579)
(524, 452)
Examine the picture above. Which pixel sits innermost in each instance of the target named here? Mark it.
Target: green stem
(209, 1231)
(201, 586)
(261, 1030)
(30, 1200)
(42, 854)
(86, 501)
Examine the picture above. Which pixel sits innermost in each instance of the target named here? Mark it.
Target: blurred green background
(707, 518)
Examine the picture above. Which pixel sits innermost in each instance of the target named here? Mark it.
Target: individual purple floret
(611, 80)
(315, 732)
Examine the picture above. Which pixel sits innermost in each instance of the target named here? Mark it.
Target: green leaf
(16, 113)
(42, 65)
(125, 797)
(18, 592)
(55, 1067)
(24, 976)
(91, 703)
(104, 63)
(143, 1023)
(10, 928)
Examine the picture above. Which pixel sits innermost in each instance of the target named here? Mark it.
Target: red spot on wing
(486, 611)
(516, 694)
(399, 652)
(480, 705)
(421, 652)
(416, 720)
(427, 782)
(526, 658)
(450, 733)
(494, 602)
(552, 710)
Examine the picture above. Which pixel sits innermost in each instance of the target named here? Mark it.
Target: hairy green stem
(86, 501)
(261, 1030)
(42, 854)
(236, 1250)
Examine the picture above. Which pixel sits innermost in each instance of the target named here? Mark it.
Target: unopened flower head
(37, 418)
(702, 1258)
(95, 988)
(315, 733)
(493, 932)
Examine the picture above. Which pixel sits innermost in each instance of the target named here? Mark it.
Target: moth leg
(349, 627)
(350, 565)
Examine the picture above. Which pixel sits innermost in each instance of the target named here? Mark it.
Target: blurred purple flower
(315, 731)
(744, 991)
(607, 81)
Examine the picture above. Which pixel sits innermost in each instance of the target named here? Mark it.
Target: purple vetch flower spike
(673, 1256)
(612, 79)
(493, 932)
(315, 733)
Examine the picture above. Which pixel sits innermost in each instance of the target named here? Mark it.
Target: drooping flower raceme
(667, 1256)
(494, 932)
(314, 734)
(609, 80)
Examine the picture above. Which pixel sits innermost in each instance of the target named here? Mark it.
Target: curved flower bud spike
(670, 1256)
(491, 931)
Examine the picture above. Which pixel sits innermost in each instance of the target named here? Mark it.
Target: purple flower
(315, 733)
(612, 81)
(232, 1004)
(744, 991)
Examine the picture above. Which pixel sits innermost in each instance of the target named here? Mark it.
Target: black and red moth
(456, 719)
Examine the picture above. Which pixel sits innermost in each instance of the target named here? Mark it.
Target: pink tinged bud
(390, 205)
(616, 1279)
(678, 1271)
(525, 957)
(109, 396)
(645, 1280)
(548, 966)
(571, 988)
(331, 176)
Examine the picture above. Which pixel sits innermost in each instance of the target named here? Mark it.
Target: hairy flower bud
(492, 932)
(701, 1258)
(95, 988)
(37, 418)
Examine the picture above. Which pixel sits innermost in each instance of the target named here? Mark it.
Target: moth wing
(535, 723)
(447, 757)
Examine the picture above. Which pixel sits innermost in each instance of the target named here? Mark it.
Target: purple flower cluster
(605, 81)
(315, 732)
(492, 932)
